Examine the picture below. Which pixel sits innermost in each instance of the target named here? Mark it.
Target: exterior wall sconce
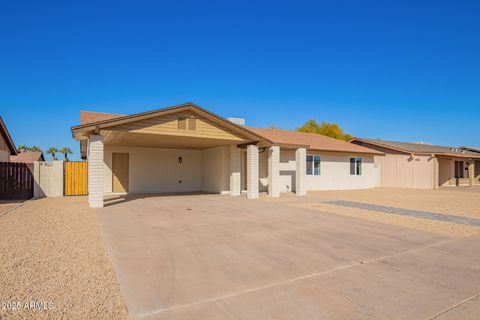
(180, 159)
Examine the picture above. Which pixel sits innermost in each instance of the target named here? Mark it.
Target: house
(471, 149)
(423, 166)
(7, 147)
(186, 148)
(28, 157)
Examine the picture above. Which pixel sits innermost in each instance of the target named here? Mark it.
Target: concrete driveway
(218, 257)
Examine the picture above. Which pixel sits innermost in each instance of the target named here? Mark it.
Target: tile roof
(312, 141)
(419, 148)
(27, 157)
(90, 116)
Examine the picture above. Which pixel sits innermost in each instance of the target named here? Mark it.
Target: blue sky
(401, 70)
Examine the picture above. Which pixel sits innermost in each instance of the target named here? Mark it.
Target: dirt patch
(439, 227)
(447, 201)
(52, 252)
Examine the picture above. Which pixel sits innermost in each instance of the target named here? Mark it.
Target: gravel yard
(52, 252)
(446, 200)
(464, 202)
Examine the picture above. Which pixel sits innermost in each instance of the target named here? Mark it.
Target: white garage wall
(216, 170)
(155, 170)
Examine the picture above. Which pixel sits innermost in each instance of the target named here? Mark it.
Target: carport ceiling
(118, 138)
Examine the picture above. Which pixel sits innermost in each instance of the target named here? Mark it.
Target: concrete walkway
(218, 257)
(408, 212)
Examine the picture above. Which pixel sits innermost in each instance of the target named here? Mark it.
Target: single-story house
(28, 157)
(423, 166)
(186, 148)
(7, 147)
(471, 149)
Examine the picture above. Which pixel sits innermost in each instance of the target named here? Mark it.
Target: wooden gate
(16, 181)
(76, 178)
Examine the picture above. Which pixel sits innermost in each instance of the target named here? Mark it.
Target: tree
(35, 148)
(52, 151)
(22, 148)
(66, 151)
(328, 129)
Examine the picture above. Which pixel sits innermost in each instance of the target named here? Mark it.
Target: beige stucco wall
(48, 179)
(155, 170)
(334, 169)
(446, 171)
(405, 171)
(216, 170)
(4, 156)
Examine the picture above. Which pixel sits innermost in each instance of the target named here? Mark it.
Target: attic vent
(182, 123)
(192, 124)
(185, 123)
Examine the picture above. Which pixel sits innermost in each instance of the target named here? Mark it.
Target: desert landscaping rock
(53, 252)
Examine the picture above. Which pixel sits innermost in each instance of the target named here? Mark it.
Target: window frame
(313, 156)
(358, 171)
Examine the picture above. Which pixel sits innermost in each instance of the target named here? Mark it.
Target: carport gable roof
(420, 148)
(111, 120)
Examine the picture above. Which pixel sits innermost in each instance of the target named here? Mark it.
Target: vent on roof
(239, 121)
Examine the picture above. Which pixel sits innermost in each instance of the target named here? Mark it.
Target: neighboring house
(28, 157)
(186, 148)
(7, 147)
(471, 149)
(423, 166)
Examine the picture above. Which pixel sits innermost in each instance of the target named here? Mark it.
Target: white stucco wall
(216, 170)
(4, 156)
(155, 170)
(334, 168)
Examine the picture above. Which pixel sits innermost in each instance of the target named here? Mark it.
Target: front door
(458, 169)
(120, 172)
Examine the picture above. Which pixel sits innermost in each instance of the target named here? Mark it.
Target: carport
(179, 149)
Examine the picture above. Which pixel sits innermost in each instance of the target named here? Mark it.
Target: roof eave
(79, 132)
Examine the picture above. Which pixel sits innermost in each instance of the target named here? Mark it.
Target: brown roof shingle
(27, 157)
(91, 116)
(313, 141)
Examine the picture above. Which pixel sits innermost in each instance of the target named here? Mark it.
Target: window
(355, 166)
(313, 165)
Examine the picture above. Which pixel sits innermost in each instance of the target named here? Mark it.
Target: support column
(471, 172)
(301, 171)
(252, 171)
(436, 174)
(274, 171)
(95, 171)
(235, 177)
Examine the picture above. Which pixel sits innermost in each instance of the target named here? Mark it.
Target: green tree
(22, 148)
(328, 129)
(52, 151)
(35, 148)
(66, 151)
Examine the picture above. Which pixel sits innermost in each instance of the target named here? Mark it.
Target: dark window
(309, 165)
(356, 166)
(313, 165)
